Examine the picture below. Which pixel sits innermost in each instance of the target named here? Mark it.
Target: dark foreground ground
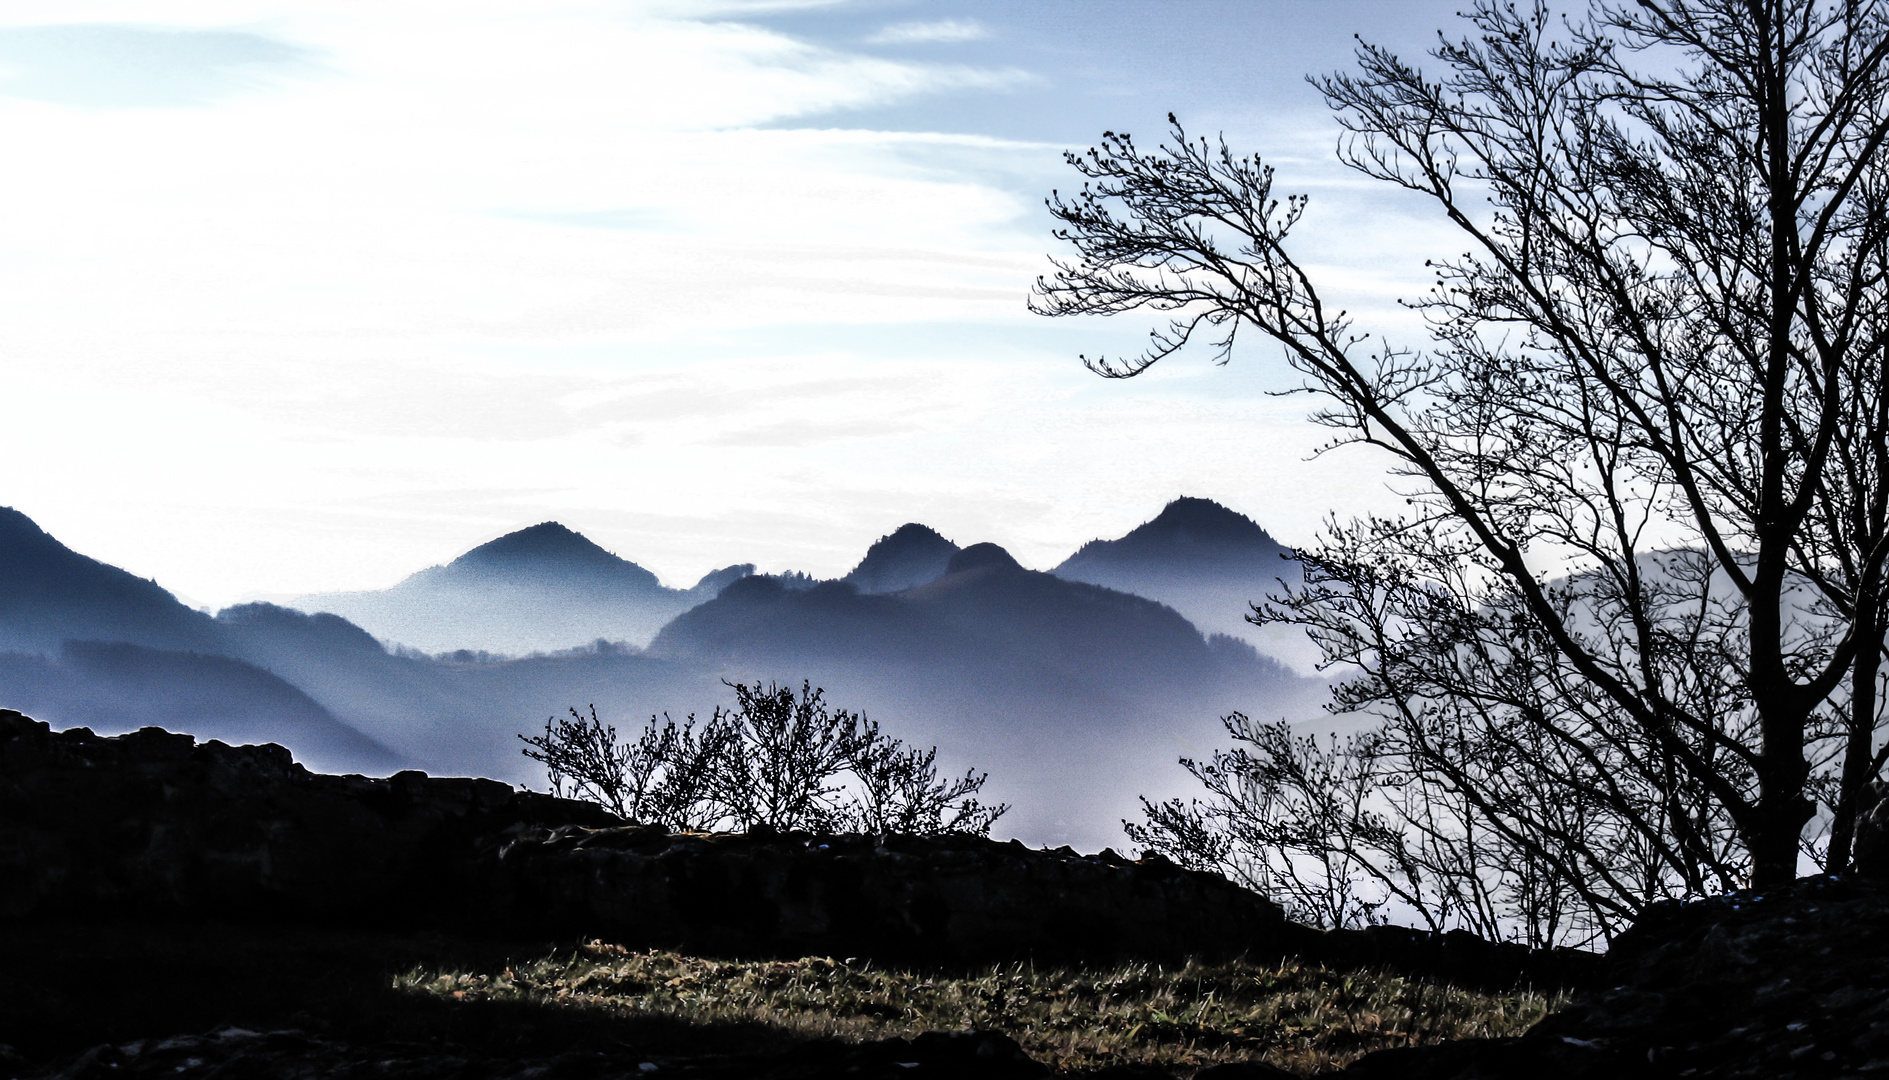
(482, 920)
(184, 999)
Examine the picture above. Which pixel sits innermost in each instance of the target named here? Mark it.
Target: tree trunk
(1859, 749)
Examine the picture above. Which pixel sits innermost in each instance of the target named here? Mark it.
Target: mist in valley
(1075, 698)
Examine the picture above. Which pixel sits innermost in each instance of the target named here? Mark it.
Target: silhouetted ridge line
(910, 556)
(1188, 530)
(48, 593)
(541, 589)
(33, 563)
(549, 546)
(980, 556)
(1207, 562)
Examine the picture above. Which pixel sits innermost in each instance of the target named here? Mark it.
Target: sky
(299, 297)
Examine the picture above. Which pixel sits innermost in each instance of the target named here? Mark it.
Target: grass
(70, 984)
(1303, 1018)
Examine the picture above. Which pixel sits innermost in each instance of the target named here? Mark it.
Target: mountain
(50, 593)
(534, 590)
(85, 643)
(910, 555)
(117, 687)
(1076, 698)
(984, 613)
(1205, 561)
(460, 713)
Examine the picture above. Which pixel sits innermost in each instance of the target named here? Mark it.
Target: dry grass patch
(1300, 1017)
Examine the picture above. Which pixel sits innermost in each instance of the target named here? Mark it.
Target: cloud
(944, 31)
(119, 66)
(503, 263)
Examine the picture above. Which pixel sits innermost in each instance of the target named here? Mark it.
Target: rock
(972, 1055)
(1786, 983)
(1456, 957)
(1871, 845)
(900, 898)
(154, 824)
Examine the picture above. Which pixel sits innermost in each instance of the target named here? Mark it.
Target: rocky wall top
(155, 824)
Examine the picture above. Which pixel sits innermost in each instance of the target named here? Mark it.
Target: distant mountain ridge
(540, 588)
(1188, 535)
(83, 642)
(1206, 561)
(1076, 697)
(1062, 688)
(909, 556)
(548, 548)
(50, 594)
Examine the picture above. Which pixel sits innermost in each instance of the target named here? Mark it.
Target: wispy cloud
(944, 31)
(118, 66)
(405, 276)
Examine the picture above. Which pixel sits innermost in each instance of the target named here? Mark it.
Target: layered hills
(50, 594)
(1078, 690)
(83, 642)
(545, 587)
(909, 556)
(1205, 561)
(1075, 697)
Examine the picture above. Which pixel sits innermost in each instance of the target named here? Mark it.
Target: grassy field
(1302, 1018)
(69, 985)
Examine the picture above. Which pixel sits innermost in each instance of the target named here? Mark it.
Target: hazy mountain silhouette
(456, 715)
(534, 590)
(1075, 697)
(50, 593)
(910, 555)
(985, 617)
(87, 644)
(117, 687)
(1207, 562)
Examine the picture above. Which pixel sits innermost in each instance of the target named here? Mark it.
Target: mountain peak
(546, 541)
(1187, 531)
(15, 524)
(1204, 520)
(910, 556)
(551, 554)
(978, 556)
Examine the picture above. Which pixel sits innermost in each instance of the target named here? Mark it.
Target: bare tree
(1345, 832)
(898, 791)
(669, 774)
(1292, 818)
(1646, 451)
(786, 756)
(777, 759)
(583, 760)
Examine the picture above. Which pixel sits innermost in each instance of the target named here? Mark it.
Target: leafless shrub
(777, 759)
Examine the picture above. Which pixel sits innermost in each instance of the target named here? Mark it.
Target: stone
(1784, 983)
(971, 1055)
(1871, 843)
(155, 824)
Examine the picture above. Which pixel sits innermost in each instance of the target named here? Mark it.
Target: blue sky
(298, 297)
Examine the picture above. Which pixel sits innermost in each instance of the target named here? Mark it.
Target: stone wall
(1788, 982)
(894, 897)
(153, 824)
